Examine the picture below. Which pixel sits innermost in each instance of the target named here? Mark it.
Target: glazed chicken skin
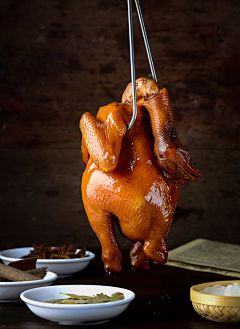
(131, 177)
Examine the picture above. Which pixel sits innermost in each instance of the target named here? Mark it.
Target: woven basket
(224, 309)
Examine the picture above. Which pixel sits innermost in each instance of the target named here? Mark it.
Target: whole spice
(40, 272)
(63, 252)
(13, 274)
(24, 264)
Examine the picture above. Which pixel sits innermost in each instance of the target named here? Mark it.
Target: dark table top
(162, 299)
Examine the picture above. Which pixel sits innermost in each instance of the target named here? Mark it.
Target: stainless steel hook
(145, 38)
(132, 62)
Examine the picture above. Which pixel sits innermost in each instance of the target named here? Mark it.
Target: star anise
(63, 252)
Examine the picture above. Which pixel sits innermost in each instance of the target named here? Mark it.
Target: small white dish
(10, 291)
(62, 267)
(75, 314)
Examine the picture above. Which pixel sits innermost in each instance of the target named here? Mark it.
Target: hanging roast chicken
(131, 177)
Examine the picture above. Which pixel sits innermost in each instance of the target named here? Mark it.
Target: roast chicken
(131, 176)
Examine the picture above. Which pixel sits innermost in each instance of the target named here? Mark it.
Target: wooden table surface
(162, 299)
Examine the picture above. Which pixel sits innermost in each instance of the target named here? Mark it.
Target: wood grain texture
(59, 59)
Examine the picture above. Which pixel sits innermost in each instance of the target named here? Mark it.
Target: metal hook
(132, 63)
(144, 33)
(131, 46)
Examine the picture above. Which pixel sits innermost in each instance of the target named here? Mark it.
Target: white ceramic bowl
(10, 291)
(62, 267)
(75, 314)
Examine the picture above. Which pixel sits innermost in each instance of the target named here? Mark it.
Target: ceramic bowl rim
(76, 306)
(48, 261)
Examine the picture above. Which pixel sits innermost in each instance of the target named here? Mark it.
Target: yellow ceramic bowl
(225, 309)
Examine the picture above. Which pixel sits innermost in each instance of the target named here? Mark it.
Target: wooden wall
(59, 59)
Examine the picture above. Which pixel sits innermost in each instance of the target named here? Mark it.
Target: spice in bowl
(63, 252)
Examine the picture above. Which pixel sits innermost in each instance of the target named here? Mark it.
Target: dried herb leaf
(78, 299)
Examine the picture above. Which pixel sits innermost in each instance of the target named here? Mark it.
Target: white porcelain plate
(62, 267)
(10, 291)
(75, 314)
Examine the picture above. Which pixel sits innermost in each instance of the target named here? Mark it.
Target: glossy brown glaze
(133, 175)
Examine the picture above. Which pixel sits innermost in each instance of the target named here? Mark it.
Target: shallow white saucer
(75, 314)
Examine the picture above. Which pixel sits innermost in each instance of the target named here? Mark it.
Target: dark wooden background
(59, 59)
